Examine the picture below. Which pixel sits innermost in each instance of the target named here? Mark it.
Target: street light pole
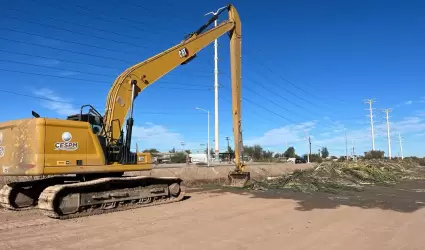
(208, 143)
(216, 87)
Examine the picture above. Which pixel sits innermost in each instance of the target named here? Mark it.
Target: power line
(38, 74)
(57, 68)
(251, 112)
(86, 72)
(275, 93)
(35, 97)
(76, 32)
(90, 64)
(72, 103)
(290, 82)
(56, 59)
(296, 95)
(122, 18)
(264, 117)
(271, 101)
(271, 91)
(66, 41)
(86, 80)
(88, 14)
(149, 9)
(270, 111)
(89, 45)
(78, 24)
(65, 50)
(89, 27)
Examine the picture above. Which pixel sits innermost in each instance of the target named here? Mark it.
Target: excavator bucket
(238, 178)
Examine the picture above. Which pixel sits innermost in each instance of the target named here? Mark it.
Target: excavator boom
(136, 78)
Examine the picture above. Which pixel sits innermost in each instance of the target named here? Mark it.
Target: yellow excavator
(82, 160)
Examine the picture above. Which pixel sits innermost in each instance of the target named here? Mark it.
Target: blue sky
(307, 66)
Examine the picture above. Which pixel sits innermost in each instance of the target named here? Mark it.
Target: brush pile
(335, 177)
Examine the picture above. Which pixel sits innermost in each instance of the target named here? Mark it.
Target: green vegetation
(179, 157)
(290, 153)
(324, 152)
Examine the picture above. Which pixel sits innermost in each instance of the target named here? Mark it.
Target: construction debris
(334, 177)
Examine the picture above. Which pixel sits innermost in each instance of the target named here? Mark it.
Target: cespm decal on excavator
(66, 145)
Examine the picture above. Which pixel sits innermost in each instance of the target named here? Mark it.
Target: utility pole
(388, 133)
(309, 145)
(401, 146)
(208, 136)
(309, 142)
(346, 145)
(217, 149)
(227, 139)
(370, 101)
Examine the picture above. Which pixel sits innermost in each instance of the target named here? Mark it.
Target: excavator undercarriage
(67, 197)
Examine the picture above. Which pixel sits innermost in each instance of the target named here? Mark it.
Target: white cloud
(56, 103)
(279, 136)
(335, 139)
(157, 136)
(408, 102)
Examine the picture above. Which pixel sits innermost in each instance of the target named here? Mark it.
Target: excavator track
(23, 195)
(108, 195)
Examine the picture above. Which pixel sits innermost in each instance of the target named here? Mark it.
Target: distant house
(291, 160)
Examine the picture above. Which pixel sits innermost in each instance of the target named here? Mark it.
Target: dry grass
(334, 177)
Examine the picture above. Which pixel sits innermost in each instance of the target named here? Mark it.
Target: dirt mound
(334, 177)
(201, 175)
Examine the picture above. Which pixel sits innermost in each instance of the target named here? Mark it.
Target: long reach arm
(136, 78)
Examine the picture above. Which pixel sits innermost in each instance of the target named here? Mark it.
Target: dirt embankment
(202, 174)
(198, 175)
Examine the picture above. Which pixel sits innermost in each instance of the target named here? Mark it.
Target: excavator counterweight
(86, 155)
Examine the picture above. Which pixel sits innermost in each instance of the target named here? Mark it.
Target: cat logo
(66, 145)
(183, 53)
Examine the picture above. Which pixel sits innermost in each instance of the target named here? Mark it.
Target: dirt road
(214, 219)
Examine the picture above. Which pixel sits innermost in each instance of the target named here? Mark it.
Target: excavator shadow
(405, 197)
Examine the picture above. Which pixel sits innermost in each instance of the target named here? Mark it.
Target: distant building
(197, 158)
